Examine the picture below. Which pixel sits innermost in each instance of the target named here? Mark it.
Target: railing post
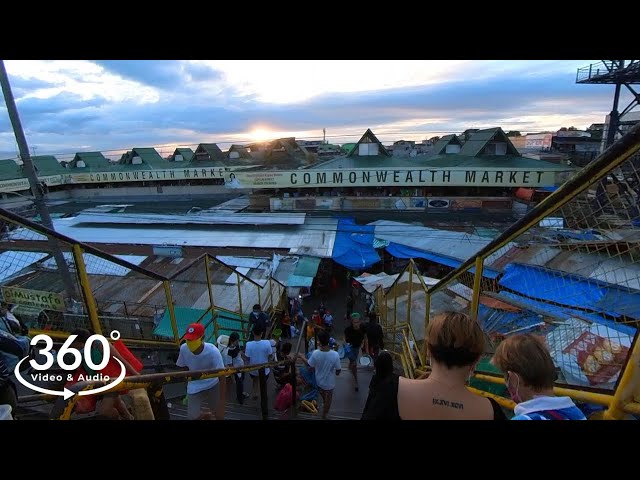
(172, 312)
(209, 286)
(629, 381)
(264, 401)
(83, 278)
(427, 317)
(271, 292)
(294, 387)
(239, 294)
(477, 287)
(410, 291)
(395, 306)
(260, 297)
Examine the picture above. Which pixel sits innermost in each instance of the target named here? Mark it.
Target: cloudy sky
(110, 106)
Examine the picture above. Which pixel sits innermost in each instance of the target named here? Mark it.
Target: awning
(305, 272)
(307, 267)
(402, 251)
(353, 247)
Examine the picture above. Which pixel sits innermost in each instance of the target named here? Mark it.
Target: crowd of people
(455, 344)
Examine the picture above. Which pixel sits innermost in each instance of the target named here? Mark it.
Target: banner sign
(33, 298)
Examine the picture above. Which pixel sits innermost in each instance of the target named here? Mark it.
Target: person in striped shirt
(529, 375)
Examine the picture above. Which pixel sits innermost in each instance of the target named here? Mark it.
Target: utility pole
(36, 188)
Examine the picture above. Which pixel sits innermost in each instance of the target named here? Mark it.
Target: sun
(261, 134)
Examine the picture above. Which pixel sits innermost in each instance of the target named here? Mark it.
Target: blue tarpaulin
(571, 290)
(353, 246)
(549, 189)
(500, 321)
(402, 251)
(564, 312)
(584, 235)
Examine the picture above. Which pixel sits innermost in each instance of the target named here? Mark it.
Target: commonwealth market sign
(397, 177)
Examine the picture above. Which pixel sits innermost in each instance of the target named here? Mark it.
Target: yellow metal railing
(112, 293)
(600, 211)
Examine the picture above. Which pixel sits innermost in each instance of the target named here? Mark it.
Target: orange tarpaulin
(525, 193)
(497, 304)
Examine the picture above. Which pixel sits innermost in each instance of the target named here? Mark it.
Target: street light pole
(36, 188)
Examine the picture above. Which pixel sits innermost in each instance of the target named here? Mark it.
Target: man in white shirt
(196, 354)
(256, 352)
(326, 365)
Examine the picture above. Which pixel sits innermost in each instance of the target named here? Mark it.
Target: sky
(115, 105)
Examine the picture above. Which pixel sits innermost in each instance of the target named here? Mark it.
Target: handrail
(63, 408)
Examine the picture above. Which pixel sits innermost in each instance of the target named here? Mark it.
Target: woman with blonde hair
(455, 344)
(529, 375)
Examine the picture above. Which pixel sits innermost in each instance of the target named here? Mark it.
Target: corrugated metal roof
(187, 154)
(368, 135)
(441, 145)
(94, 162)
(48, 165)
(201, 219)
(315, 238)
(480, 139)
(307, 267)
(9, 170)
(457, 245)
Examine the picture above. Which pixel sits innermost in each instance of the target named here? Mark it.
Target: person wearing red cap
(196, 354)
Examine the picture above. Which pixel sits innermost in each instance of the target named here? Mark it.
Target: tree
(434, 139)
(514, 133)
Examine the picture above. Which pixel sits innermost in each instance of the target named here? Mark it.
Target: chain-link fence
(574, 277)
(39, 281)
(569, 270)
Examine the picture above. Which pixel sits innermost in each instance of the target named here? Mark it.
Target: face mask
(513, 391)
(194, 345)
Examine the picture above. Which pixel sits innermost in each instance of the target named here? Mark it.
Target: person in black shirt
(375, 337)
(355, 337)
(383, 390)
(283, 373)
(258, 320)
(233, 351)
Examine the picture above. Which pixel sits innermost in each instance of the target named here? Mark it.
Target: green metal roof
(149, 157)
(94, 161)
(184, 317)
(9, 170)
(48, 165)
(368, 135)
(348, 147)
(479, 140)
(441, 145)
(186, 153)
(307, 267)
(211, 149)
